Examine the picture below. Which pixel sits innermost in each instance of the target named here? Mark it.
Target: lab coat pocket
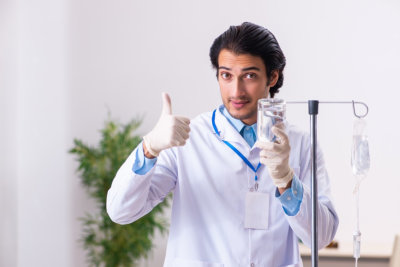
(193, 263)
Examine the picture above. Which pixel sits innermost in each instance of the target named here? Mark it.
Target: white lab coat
(209, 183)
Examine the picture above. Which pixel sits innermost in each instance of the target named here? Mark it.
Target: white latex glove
(275, 155)
(169, 131)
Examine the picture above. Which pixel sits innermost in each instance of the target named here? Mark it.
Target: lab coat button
(252, 264)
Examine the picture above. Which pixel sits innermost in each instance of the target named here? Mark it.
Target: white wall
(8, 161)
(42, 127)
(79, 59)
(35, 189)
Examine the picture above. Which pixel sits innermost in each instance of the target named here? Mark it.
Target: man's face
(243, 80)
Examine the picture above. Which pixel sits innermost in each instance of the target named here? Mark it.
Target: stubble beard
(240, 116)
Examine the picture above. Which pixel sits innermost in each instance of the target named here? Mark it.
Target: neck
(249, 121)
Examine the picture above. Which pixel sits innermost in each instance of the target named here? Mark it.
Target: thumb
(167, 109)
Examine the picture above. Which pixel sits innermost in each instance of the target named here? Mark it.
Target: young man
(235, 203)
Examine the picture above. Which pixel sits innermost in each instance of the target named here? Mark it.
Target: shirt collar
(236, 123)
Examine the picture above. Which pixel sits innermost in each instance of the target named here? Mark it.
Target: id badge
(256, 211)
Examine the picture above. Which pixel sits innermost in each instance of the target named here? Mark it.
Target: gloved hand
(275, 155)
(169, 131)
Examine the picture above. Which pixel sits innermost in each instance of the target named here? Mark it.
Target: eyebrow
(244, 69)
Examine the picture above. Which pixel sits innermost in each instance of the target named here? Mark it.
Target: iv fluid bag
(360, 160)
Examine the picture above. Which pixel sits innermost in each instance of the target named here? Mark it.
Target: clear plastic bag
(360, 163)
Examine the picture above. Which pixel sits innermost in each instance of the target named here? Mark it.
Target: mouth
(238, 104)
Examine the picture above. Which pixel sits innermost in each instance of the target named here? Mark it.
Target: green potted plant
(107, 243)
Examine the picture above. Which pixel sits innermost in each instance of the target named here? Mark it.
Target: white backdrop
(64, 64)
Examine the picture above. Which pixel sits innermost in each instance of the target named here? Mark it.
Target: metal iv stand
(313, 112)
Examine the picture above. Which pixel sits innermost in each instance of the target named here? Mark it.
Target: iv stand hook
(354, 109)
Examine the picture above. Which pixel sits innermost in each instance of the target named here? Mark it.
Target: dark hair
(255, 40)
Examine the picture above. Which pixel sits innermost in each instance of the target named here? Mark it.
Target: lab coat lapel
(227, 131)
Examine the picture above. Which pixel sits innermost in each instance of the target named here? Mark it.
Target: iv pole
(313, 112)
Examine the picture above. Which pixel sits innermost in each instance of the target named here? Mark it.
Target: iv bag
(360, 165)
(360, 161)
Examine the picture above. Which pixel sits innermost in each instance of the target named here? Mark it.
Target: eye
(225, 75)
(250, 75)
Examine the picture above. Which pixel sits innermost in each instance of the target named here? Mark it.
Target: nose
(238, 88)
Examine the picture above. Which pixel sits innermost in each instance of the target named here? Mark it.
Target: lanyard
(255, 169)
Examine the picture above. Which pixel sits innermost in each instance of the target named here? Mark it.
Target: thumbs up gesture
(169, 131)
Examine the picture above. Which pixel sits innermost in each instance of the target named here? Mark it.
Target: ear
(273, 79)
